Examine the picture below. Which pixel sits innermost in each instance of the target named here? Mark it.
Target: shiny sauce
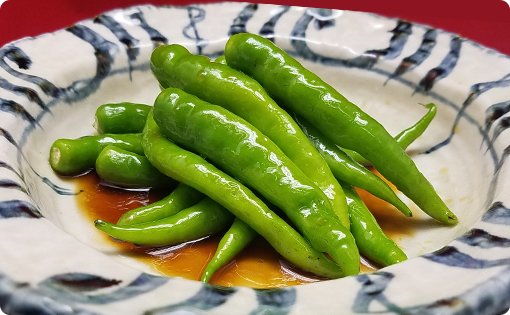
(258, 266)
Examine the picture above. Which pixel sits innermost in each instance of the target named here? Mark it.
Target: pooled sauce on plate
(258, 266)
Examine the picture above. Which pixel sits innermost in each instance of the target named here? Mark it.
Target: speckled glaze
(53, 260)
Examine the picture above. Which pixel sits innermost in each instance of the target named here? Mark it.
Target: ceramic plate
(54, 262)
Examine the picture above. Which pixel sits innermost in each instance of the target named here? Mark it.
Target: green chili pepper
(175, 66)
(246, 153)
(233, 242)
(407, 136)
(370, 238)
(347, 170)
(121, 118)
(194, 171)
(130, 170)
(75, 156)
(221, 59)
(180, 198)
(203, 219)
(288, 82)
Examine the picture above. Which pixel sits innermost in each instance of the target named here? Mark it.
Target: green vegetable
(73, 157)
(121, 118)
(233, 242)
(130, 170)
(221, 59)
(343, 122)
(203, 219)
(175, 66)
(347, 170)
(371, 240)
(180, 198)
(407, 136)
(194, 171)
(244, 152)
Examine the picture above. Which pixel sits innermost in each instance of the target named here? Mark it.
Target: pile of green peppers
(242, 141)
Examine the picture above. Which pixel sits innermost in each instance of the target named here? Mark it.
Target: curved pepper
(75, 156)
(194, 171)
(244, 152)
(370, 238)
(175, 66)
(288, 82)
(203, 219)
(180, 198)
(407, 136)
(130, 170)
(121, 118)
(233, 242)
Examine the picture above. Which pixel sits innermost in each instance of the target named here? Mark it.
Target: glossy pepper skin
(193, 170)
(203, 219)
(288, 82)
(244, 152)
(130, 170)
(347, 170)
(76, 156)
(180, 198)
(370, 238)
(121, 118)
(407, 136)
(175, 66)
(232, 243)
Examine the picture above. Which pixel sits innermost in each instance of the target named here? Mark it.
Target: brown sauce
(258, 266)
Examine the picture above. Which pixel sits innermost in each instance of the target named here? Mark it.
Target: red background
(486, 22)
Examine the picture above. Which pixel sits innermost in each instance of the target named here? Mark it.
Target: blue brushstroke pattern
(195, 15)
(104, 52)
(239, 23)
(156, 37)
(365, 61)
(16, 55)
(275, 301)
(372, 289)
(323, 18)
(207, 298)
(5, 134)
(79, 288)
(59, 190)
(29, 93)
(267, 30)
(478, 89)
(18, 298)
(494, 112)
(492, 187)
(10, 168)
(10, 106)
(401, 34)
(445, 67)
(427, 45)
(501, 126)
(497, 214)
(483, 239)
(18, 209)
(452, 257)
(475, 91)
(487, 298)
(130, 43)
(78, 282)
(7, 183)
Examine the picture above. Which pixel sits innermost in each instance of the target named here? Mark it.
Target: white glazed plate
(53, 260)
